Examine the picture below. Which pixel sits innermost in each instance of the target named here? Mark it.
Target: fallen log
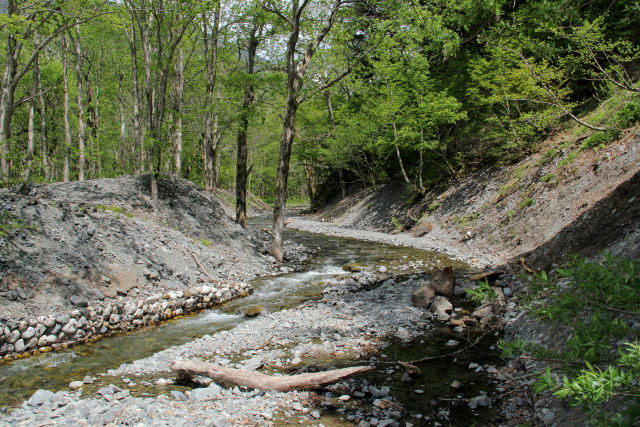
(252, 379)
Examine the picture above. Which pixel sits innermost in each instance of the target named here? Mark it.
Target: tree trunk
(37, 84)
(241, 161)
(177, 108)
(420, 173)
(6, 103)
(67, 126)
(311, 181)
(257, 380)
(332, 121)
(30, 137)
(282, 174)
(210, 119)
(137, 146)
(81, 119)
(295, 73)
(395, 143)
(123, 125)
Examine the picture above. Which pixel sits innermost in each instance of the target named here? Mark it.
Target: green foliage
(205, 242)
(483, 293)
(596, 300)
(526, 202)
(9, 223)
(397, 224)
(433, 206)
(548, 177)
(592, 387)
(114, 209)
(569, 159)
(465, 220)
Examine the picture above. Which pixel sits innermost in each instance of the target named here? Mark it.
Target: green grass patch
(526, 202)
(548, 177)
(433, 206)
(114, 209)
(205, 242)
(569, 159)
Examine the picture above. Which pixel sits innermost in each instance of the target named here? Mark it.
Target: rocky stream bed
(348, 304)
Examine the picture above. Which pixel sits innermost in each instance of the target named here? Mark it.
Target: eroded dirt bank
(560, 200)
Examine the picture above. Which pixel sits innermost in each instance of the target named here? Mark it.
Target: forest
(298, 100)
(394, 90)
(472, 238)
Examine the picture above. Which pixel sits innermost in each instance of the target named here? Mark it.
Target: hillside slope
(104, 238)
(558, 201)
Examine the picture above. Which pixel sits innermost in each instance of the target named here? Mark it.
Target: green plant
(129, 215)
(595, 300)
(396, 223)
(8, 223)
(433, 206)
(205, 242)
(114, 209)
(548, 177)
(510, 213)
(483, 293)
(526, 202)
(592, 386)
(567, 160)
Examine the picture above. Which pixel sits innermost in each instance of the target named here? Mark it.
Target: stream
(54, 371)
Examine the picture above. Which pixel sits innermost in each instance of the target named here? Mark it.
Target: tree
(161, 26)
(296, 67)
(21, 23)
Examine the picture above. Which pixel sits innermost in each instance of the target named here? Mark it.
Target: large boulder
(443, 281)
(423, 297)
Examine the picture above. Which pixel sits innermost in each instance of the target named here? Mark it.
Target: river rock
(79, 301)
(32, 343)
(40, 397)
(71, 327)
(75, 385)
(63, 319)
(23, 325)
(19, 346)
(208, 393)
(13, 337)
(421, 228)
(443, 281)
(423, 297)
(480, 401)
(440, 306)
(40, 330)
(253, 311)
(178, 395)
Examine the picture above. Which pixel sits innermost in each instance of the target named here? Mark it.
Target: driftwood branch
(252, 379)
(199, 265)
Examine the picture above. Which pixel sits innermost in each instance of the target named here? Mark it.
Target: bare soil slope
(560, 200)
(101, 238)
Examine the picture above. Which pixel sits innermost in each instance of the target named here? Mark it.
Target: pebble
(480, 401)
(75, 385)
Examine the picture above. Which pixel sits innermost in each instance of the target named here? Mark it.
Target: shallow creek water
(53, 371)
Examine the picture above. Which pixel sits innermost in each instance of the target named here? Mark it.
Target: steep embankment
(106, 239)
(562, 199)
